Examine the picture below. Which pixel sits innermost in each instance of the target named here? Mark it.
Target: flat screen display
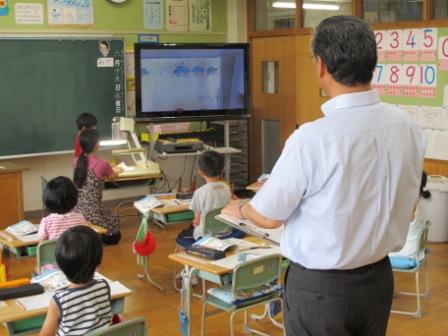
(190, 80)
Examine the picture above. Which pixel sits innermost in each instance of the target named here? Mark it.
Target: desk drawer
(180, 216)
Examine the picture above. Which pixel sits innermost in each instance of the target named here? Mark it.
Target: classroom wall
(121, 21)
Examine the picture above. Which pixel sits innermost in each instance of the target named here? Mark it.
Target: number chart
(412, 72)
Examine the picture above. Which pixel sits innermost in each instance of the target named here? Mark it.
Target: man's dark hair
(79, 251)
(86, 121)
(60, 195)
(347, 47)
(211, 163)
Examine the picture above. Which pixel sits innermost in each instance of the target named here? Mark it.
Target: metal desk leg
(187, 273)
(146, 275)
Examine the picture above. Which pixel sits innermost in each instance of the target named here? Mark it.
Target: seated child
(411, 247)
(89, 175)
(212, 195)
(83, 122)
(85, 305)
(60, 197)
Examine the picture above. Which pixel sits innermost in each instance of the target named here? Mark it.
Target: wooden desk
(18, 246)
(11, 194)
(138, 174)
(18, 320)
(169, 214)
(203, 268)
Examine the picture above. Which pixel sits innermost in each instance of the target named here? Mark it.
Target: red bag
(146, 246)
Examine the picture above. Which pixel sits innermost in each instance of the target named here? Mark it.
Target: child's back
(84, 308)
(211, 195)
(85, 305)
(60, 197)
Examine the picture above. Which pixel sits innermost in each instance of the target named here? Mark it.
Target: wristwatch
(241, 203)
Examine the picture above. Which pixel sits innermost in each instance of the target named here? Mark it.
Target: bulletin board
(412, 72)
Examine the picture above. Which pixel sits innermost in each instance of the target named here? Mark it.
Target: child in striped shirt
(60, 197)
(85, 305)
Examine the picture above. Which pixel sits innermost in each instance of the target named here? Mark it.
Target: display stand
(227, 150)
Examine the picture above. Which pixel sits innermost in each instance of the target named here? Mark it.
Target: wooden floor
(160, 309)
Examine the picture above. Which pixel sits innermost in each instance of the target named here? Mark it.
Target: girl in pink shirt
(90, 173)
(60, 197)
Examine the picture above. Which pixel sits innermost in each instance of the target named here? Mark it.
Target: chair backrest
(423, 241)
(46, 253)
(212, 225)
(255, 273)
(134, 327)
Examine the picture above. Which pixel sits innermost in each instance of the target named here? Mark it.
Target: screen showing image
(190, 81)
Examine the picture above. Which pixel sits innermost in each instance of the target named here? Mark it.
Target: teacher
(344, 187)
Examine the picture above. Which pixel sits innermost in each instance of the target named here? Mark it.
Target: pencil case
(15, 292)
(205, 252)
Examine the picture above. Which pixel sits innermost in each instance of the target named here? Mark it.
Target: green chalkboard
(46, 83)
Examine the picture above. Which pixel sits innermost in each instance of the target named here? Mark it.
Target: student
(411, 247)
(89, 175)
(85, 305)
(83, 122)
(212, 195)
(60, 197)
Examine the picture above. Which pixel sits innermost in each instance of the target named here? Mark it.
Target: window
(440, 9)
(315, 11)
(393, 10)
(272, 14)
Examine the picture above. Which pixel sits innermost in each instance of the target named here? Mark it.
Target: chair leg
(232, 327)
(204, 311)
(427, 293)
(248, 330)
(418, 312)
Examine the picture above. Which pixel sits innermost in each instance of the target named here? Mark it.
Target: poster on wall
(4, 8)
(412, 72)
(200, 15)
(69, 13)
(29, 13)
(153, 14)
(177, 15)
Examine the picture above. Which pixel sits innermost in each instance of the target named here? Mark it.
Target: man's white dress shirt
(346, 184)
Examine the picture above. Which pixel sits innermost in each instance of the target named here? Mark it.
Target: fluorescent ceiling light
(320, 6)
(280, 4)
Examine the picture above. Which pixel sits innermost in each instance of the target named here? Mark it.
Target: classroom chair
(134, 327)
(255, 282)
(46, 253)
(423, 263)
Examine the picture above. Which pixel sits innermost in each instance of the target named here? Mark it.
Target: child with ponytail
(89, 175)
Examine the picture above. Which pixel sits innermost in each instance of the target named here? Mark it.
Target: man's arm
(248, 212)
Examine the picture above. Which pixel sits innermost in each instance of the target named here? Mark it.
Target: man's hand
(232, 209)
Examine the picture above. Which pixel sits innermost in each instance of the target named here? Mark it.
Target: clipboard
(272, 236)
